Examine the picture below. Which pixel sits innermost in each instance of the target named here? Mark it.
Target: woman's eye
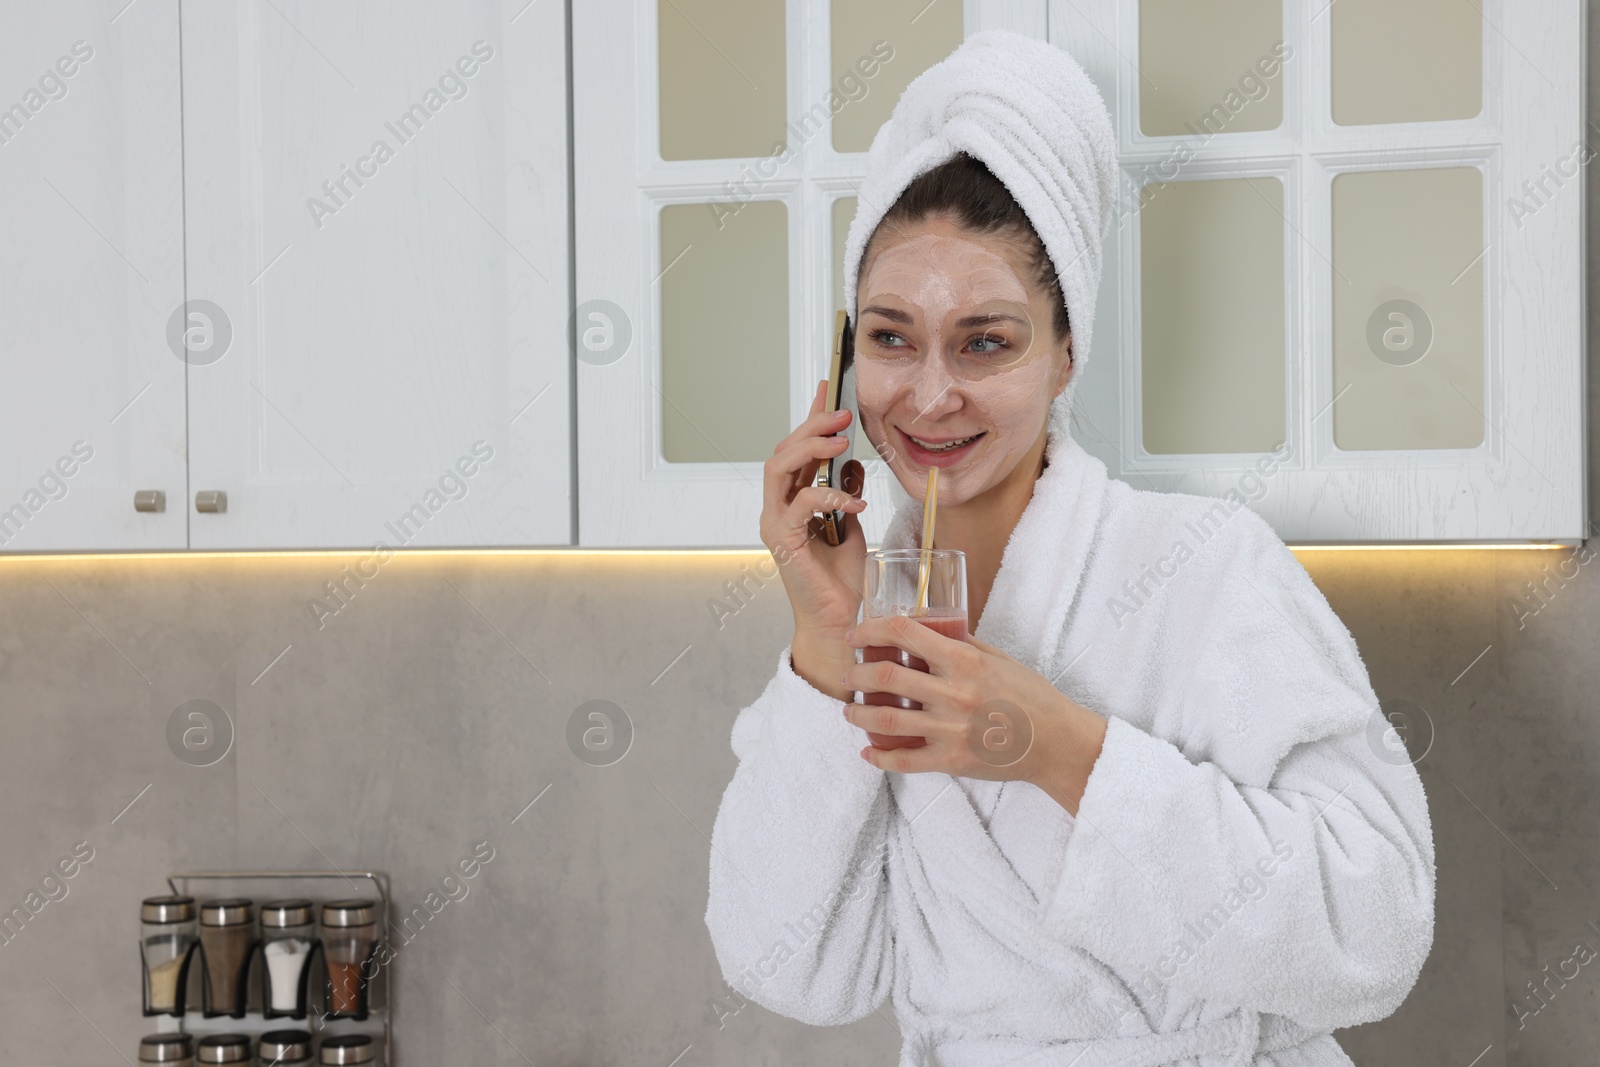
(987, 344)
(888, 338)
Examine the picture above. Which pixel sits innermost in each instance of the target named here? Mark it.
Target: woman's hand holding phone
(823, 581)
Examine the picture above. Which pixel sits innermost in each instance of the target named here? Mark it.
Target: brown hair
(965, 189)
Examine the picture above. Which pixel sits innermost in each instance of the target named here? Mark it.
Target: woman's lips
(945, 458)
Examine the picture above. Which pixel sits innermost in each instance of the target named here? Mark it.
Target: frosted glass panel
(1408, 308)
(1210, 68)
(1211, 316)
(724, 332)
(878, 47)
(722, 78)
(1406, 61)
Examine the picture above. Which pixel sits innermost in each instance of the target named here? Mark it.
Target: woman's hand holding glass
(984, 714)
(822, 580)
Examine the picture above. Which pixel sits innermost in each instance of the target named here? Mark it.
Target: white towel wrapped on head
(1028, 111)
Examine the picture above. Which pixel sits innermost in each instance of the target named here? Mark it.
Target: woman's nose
(933, 391)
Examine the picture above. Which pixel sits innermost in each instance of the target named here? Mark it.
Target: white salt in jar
(288, 938)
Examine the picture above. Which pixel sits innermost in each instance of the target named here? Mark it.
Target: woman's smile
(942, 451)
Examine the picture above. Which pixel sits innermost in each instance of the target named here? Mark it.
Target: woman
(1202, 852)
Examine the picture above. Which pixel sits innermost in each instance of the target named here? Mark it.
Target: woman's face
(954, 344)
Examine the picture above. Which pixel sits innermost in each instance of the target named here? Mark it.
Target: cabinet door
(1345, 278)
(718, 148)
(91, 276)
(377, 208)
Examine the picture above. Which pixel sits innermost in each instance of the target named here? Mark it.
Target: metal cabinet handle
(149, 500)
(211, 500)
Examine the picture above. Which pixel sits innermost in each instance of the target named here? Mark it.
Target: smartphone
(841, 394)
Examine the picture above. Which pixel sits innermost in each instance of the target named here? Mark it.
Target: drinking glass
(891, 589)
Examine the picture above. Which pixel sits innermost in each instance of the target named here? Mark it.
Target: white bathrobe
(1251, 866)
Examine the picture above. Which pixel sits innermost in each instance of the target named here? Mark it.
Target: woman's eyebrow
(992, 317)
(896, 315)
(892, 314)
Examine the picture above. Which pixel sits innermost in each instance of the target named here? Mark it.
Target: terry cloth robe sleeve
(798, 905)
(1265, 854)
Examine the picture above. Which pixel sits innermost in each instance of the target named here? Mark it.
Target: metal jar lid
(349, 1048)
(223, 1048)
(285, 1046)
(281, 913)
(345, 913)
(234, 912)
(166, 1048)
(166, 910)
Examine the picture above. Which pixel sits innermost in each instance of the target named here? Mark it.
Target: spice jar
(349, 938)
(223, 1048)
(174, 1050)
(288, 937)
(348, 1048)
(227, 939)
(166, 943)
(281, 1048)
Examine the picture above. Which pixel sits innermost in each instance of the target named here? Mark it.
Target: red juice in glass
(893, 584)
(954, 626)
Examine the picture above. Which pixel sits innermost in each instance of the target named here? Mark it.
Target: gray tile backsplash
(434, 710)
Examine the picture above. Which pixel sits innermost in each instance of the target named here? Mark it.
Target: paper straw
(930, 502)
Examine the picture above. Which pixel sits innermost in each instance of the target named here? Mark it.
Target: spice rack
(317, 885)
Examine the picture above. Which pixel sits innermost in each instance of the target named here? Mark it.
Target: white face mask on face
(947, 350)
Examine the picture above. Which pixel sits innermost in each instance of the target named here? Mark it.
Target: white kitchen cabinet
(1346, 277)
(377, 202)
(1344, 285)
(368, 218)
(708, 246)
(91, 273)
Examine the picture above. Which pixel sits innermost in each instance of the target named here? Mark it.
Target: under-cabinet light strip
(418, 553)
